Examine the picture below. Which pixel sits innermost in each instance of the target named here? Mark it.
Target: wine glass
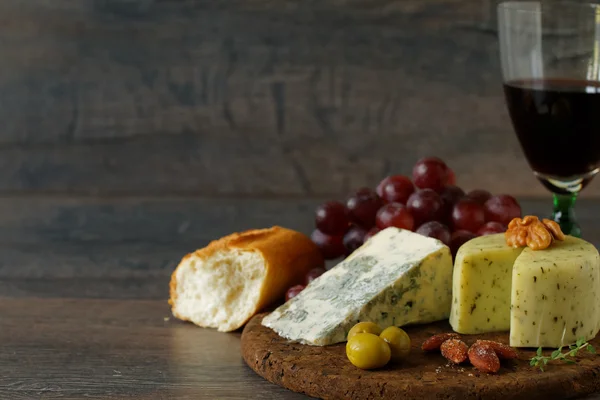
(550, 53)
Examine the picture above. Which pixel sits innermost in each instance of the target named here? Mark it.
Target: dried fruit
(455, 350)
(484, 358)
(532, 232)
(503, 351)
(434, 342)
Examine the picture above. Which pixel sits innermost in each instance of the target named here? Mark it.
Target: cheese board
(436, 293)
(326, 373)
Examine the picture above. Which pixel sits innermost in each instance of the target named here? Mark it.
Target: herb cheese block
(555, 295)
(482, 285)
(396, 278)
(547, 298)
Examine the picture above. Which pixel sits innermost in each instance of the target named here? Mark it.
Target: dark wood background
(249, 97)
(133, 131)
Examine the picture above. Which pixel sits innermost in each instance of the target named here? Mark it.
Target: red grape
(425, 205)
(450, 178)
(362, 207)
(331, 246)
(395, 214)
(395, 189)
(502, 208)
(331, 218)
(430, 173)
(372, 232)
(436, 230)
(354, 238)
(314, 274)
(490, 228)
(468, 215)
(293, 291)
(479, 195)
(458, 239)
(450, 196)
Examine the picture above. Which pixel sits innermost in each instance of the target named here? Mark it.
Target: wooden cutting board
(326, 373)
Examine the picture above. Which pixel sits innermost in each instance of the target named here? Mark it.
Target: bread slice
(224, 284)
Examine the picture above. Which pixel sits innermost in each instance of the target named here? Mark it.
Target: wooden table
(113, 336)
(76, 348)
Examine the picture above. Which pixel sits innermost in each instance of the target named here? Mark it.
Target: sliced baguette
(224, 284)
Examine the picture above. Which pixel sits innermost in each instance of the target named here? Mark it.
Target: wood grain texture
(155, 221)
(74, 349)
(65, 237)
(325, 372)
(144, 237)
(121, 288)
(107, 349)
(250, 97)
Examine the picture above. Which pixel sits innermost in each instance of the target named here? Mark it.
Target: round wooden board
(325, 372)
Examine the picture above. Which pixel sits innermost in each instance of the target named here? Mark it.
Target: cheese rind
(482, 285)
(556, 295)
(396, 278)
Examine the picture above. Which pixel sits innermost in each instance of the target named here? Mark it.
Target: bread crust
(288, 256)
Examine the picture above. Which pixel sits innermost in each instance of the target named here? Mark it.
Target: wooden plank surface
(145, 237)
(136, 131)
(117, 288)
(250, 97)
(74, 349)
(86, 336)
(65, 237)
(101, 349)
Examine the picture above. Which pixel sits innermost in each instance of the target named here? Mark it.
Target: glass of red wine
(550, 54)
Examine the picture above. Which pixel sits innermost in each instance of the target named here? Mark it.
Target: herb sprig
(541, 361)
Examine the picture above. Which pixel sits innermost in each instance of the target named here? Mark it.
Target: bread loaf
(224, 284)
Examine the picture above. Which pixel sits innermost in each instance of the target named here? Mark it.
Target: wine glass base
(564, 213)
(566, 186)
(568, 226)
(565, 191)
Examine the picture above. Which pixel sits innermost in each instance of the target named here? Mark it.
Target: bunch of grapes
(430, 204)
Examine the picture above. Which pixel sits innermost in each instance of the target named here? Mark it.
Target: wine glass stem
(564, 213)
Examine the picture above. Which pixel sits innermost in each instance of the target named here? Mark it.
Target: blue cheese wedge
(396, 278)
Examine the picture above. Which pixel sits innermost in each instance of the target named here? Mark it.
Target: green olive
(398, 340)
(368, 351)
(364, 327)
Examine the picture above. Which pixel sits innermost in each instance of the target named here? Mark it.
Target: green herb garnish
(540, 360)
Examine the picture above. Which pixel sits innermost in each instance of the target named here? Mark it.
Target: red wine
(558, 124)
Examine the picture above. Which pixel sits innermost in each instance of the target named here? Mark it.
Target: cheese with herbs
(396, 278)
(547, 298)
(556, 295)
(482, 285)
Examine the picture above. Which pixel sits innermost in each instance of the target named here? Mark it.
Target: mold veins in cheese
(547, 298)
(396, 278)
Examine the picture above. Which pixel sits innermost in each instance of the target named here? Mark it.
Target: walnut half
(554, 229)
(530, 231)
